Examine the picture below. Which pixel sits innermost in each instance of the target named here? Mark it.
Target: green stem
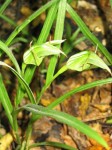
(23, 146)
(4, 6)
(58, 35)
(15, 125)
(62, 70)
(28, 134)
(18, 147)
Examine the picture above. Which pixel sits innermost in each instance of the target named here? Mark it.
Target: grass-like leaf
(88, 34)
(54, 144)
(57, 36)
(42, 38)
(22, 81)
(5, 100)
(4, 6)
(79, 89)
(66, 119)
(19, 28)
(9, 20)
(70, 43)
(11, 56)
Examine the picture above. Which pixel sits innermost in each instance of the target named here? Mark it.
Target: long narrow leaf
(54, 144)
(80, 89)
(22, 81)
(58, 36)
(5, 100)
(66, 119)
(4, 6)
(42, 38)
(88, 34)
(9, 20)
(18, 29)
(48, 24)
(11, 56)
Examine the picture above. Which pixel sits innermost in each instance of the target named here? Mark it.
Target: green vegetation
(34, 57)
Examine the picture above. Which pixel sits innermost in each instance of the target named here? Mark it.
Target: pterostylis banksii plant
(34, 57)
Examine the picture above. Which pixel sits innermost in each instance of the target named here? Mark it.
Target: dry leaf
(101, 107)
(5, 141)
(85, 101)
(26, 11)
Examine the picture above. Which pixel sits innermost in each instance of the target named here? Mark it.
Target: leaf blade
(87, 33)
(22, 81)
(80, 89)
(19, 28)
(42, 38)
(5, 100)
(57, 36)
(10, 55)
(66, 119)
(56, 144)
